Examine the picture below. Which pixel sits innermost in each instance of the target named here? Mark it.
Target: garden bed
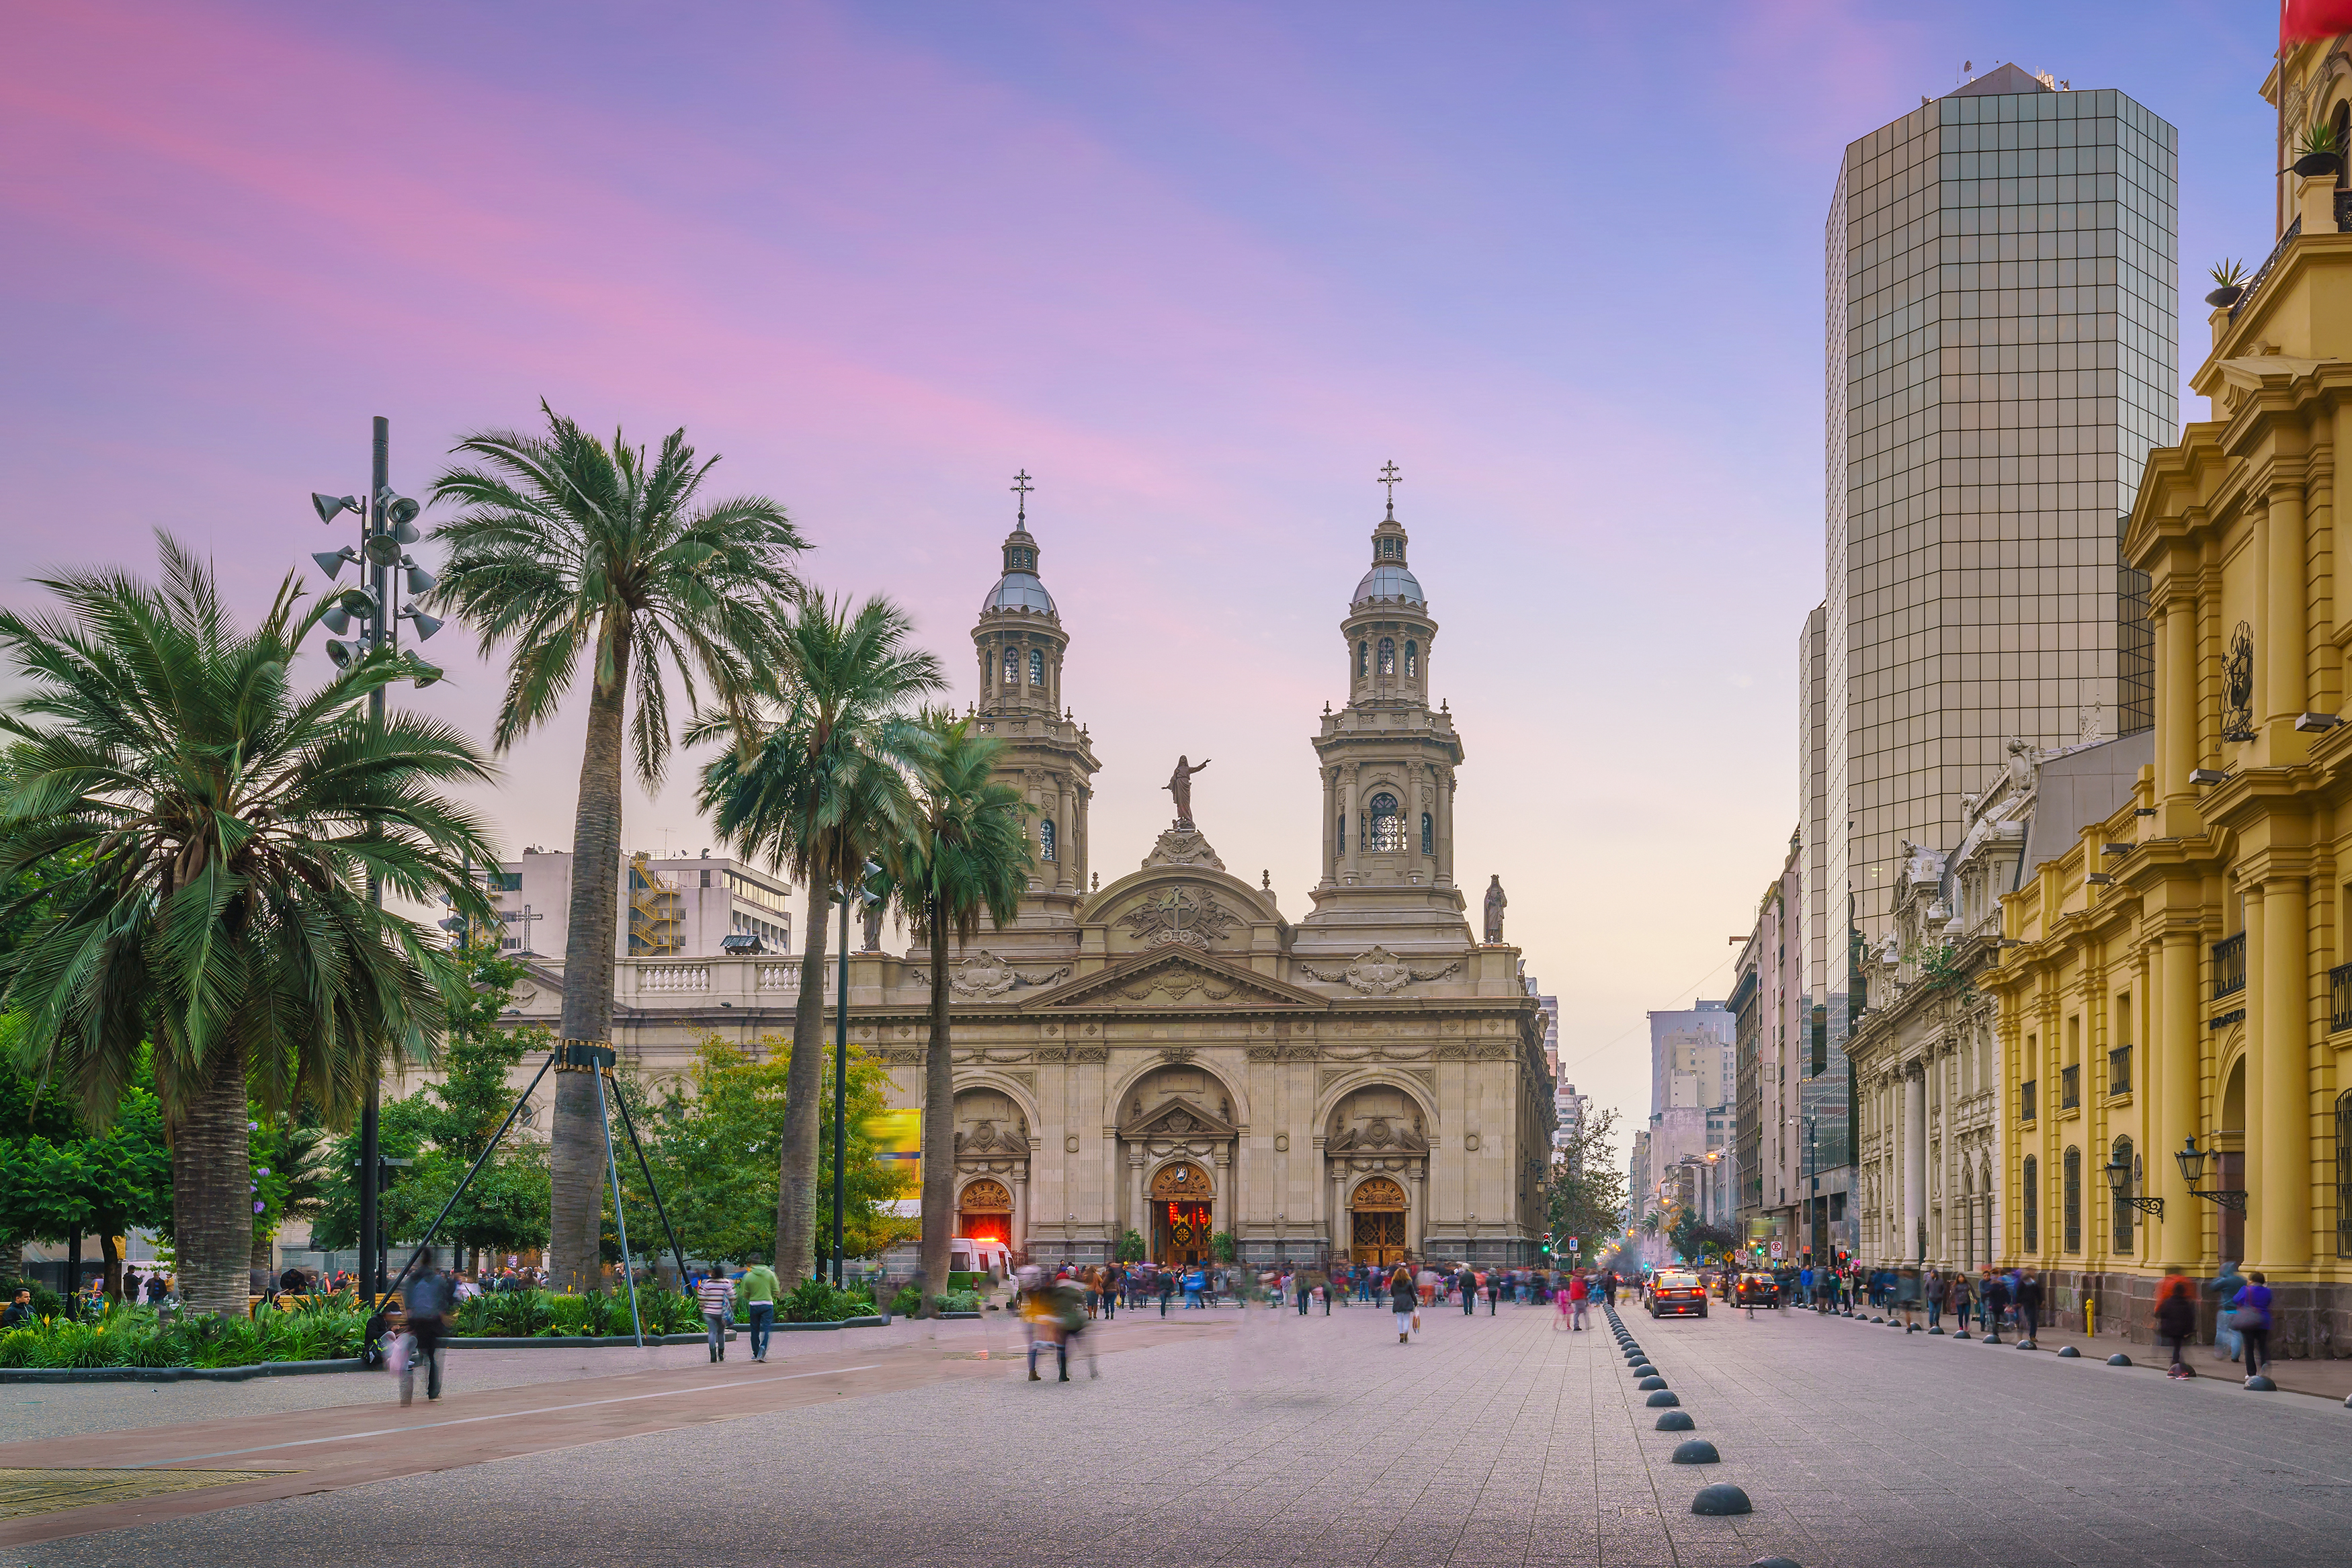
(175, 1373)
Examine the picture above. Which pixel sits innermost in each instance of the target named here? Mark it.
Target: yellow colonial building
(2178, 982)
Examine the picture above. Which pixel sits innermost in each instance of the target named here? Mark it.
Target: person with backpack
(2249, 1314)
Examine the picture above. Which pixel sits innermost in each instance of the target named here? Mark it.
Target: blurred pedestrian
(760, 1288)
(2175, 1321)
(1167, 1289)
(424, 1313)
(1404, 1301)
(716, 1297)
(2028, 1307)
(2225, 1288)
(2251, 1316)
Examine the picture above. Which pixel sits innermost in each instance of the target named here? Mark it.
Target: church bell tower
(1388, 764)
(1047, 757)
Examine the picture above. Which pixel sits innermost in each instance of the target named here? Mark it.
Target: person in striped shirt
(717, 1296)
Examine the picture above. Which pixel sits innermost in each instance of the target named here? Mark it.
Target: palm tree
(206, 833)
(969, 851)
(567, 548)
(819, 793)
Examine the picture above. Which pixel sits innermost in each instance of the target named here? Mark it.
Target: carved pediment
(1187, 915)
(983, 975)
(1179, 1118)
(1176, 978)
(1379, 973)
(1379, 1136)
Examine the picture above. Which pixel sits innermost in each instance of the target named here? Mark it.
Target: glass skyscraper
(2003, 293)
(2002, 283)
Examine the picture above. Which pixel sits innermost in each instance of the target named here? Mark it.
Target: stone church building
(1166, 1052)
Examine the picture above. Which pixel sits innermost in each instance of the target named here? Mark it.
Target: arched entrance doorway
(984, 1211)
(1180, 1218)
(2230, 1140)
(1376, 1222)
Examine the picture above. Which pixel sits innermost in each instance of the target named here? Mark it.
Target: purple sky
(1200, 268)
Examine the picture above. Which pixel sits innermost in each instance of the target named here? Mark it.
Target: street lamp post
(387, 523)
(849, 896)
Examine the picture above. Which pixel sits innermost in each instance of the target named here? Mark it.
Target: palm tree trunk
(939, 1118)
(804, 1093)
(576, 1156)
(212, 1201)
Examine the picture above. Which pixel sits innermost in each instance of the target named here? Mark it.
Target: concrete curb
(174, 1373)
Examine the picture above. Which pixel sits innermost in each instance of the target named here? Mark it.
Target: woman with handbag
(1404, 1300)
(2249, 1314)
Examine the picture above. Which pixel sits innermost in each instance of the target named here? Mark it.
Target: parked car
(1758, 1291)
(1675, 1294)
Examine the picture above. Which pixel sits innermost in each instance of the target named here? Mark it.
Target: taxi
(1678, 1294)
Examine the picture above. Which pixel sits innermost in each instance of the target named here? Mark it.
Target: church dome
(1389, 581)
(1022, 591)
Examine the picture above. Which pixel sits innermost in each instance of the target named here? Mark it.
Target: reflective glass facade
(2003, 293)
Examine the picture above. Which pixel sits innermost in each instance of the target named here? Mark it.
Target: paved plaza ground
(1253, 1438)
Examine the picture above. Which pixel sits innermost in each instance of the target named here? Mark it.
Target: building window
(2029, 1193)
(706, 878)
(1037, 666)
(1411, 661)
(1046, 839)
(2344, 1174)
(1387, 655)
(2119, 1071)
(1428, 835)
(503, 882)
(1339, 833)
(2122, 1155)
(1012, 666)
(2070, 1088)
(2025, 1097)
(2073, 1198)
(1387, 837)
(1364, 658)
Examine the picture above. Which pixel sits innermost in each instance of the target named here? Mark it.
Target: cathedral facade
(1168, 1054)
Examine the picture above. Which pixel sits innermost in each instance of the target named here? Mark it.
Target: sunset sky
(1200, 269)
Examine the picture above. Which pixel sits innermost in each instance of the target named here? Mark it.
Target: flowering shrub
(138, 1337)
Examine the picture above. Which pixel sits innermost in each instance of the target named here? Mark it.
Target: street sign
(1775, 1247)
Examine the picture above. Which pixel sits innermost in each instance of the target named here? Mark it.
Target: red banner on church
(2300, 21)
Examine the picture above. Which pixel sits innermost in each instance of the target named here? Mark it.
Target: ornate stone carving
(903, 1056)
(984, 975)
(1177, 1053)
(1090, 1053)
(1182, 915)
(1177, 984)
(1054, 1053)
(1183, 845)
(1378, 973)
(1264, 1053)
(1496, 903)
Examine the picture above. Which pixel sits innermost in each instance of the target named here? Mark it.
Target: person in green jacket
(757, 1291)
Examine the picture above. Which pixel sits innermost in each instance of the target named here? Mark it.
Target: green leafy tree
(443, 1127)
(1587, 1198)
(210, 829)
(1694, 1242)
(104, 1181)
(819, 791)
(712, 1145)
(967, 852)
(574, 551)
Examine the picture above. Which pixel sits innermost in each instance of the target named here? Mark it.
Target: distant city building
(670, 908)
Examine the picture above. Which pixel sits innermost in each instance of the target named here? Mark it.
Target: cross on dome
(1391, 478)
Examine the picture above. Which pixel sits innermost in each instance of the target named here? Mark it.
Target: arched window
(1428, 835)
(2342, 121)
(2029, 1196)
(2121, 1154)
(1411, 661)
(1046, 839)
(1037, 666)
(2344, 1174)
(1387, 655)
(1364, 658)
(2072, 1197)
(1387, 828)
(1012, 666)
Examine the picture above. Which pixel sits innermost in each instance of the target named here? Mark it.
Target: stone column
(1138, 1209)
(1221, 1199)
(1347, 813)
(1416, 1231)
(2282, 662)
(1915, 1161)
(2176, 694)
(1020, 1225)
(2280, 1201)
(2176, 1049)
(1330, 824)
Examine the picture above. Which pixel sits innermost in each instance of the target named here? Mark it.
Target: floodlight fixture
(332, 562)
(398, 511)
(2203, 776)
(420, 582)
(382, 549)
(357, 601)
(426, 625)
(2317, 721)
(344, 653)
(337, 622)
(328, 508)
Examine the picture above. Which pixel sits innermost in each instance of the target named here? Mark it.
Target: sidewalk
(2327, 1379)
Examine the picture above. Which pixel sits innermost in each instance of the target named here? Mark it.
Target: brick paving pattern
(1489, 1441)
